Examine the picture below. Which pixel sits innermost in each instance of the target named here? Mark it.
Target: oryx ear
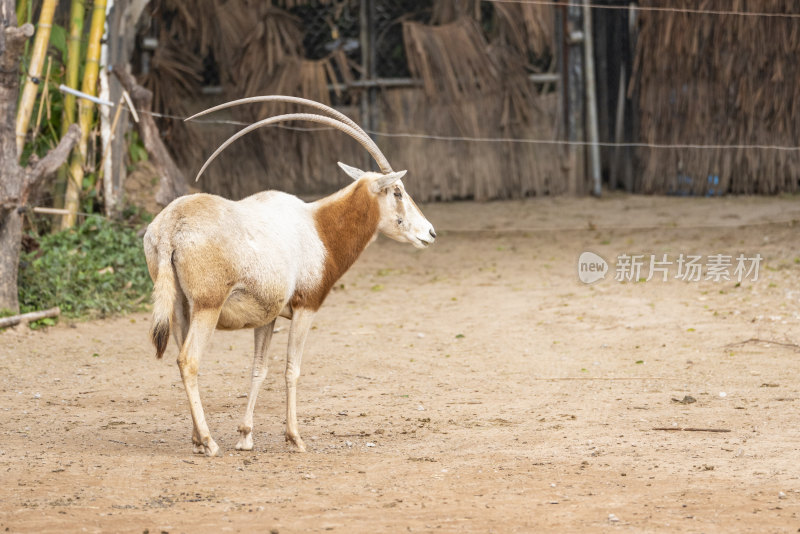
(352, 172)
(386, 180)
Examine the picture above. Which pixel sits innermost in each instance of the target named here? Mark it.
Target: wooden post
(121, 41)
(106, 130)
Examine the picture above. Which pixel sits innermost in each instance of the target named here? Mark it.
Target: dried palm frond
(254, 43)
(174, 78)
(527, 28)
(187, 23)
(453, 64)
(456, 64)
(447, 11)
(472, 88)
(288, 4)
(737, 82)
(450, 60)
(447, 170)
(174, 75)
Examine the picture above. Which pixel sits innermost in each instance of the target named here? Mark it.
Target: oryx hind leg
(263, 335)
(201, 328)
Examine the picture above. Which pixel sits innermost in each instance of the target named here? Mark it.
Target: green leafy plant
(97, 268)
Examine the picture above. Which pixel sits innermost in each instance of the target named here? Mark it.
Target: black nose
(433, 234)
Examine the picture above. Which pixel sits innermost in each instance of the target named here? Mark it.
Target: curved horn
(281, 98)
(358, 135)
(296, 100)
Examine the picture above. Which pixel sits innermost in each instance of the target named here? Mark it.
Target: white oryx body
(220, 264)
(278, 250)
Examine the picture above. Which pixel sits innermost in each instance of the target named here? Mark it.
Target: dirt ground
(477, 386)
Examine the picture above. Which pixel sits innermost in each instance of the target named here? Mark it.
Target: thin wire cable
(229, 121)
(665, 227)
(687, 10)
(551, 142)
(584, 143)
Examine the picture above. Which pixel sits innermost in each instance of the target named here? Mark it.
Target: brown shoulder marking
(345, 226)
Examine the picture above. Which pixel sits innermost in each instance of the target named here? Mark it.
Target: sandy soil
(477, 386)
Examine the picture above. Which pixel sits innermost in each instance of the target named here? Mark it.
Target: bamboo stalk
(76, 13)
(5, 322)
(43, 101)
(34, 72)
(22, 11)
(85, 109)
(50, 211)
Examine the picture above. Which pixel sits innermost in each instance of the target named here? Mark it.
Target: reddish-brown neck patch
(345, 226)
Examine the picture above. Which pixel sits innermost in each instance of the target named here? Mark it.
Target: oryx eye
(398, 194)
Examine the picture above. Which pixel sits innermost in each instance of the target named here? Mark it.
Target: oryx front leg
(200, 330)
(197, 445)
(301, 322)
(263, 335)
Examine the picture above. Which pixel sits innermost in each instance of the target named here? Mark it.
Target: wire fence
(632, 6)
(433, 137)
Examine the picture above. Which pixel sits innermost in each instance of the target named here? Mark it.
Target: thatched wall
(474, 77)
(722, 80)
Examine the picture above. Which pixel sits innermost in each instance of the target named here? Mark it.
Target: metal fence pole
(372, 90)
(591, 101)
(367, 38)
(575, 99)
(364, 40)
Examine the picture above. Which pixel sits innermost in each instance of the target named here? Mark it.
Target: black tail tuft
(160, 335)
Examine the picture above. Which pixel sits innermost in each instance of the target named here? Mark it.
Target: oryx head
(400, 218)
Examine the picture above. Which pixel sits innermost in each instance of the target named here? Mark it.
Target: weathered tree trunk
(173, 184)
(10, 235)
(12, 41)
(16, 182)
